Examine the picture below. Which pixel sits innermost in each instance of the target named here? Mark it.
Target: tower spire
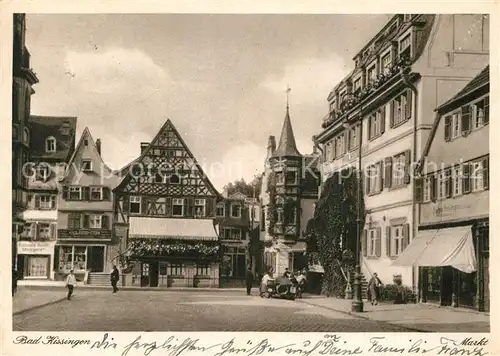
(288, 90)
(287, 145)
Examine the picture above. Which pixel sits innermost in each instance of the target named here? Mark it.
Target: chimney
(271, 146)
(98, 145)
(144, 145)
(225, 192)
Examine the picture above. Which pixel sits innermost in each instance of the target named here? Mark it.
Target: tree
(245, 188)
(331, 233)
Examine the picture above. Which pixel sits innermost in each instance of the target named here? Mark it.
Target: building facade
(385, 106)
(233, 216)
(85, 240)
(452, 245)
(165, 209)
(289, 191)
(51, 146)
(23, 79)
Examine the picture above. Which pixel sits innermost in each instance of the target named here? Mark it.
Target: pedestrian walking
(115, 277)
(374, 288)
(70, 283)
(249, 280)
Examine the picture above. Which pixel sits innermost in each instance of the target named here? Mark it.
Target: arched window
(174, 179)
(50, 144)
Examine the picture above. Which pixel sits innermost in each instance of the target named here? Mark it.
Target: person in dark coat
(249, 280)
(374, 288)
(115, 277)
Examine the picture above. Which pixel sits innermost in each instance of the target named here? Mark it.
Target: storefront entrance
(149, 274)
(95, 256)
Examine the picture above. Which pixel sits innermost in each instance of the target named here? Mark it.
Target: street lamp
(357, 301)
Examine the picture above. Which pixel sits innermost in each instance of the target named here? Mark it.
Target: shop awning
(163, 228)
(438, 248)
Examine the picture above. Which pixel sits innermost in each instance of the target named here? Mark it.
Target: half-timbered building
(165, 210)
(85, 242)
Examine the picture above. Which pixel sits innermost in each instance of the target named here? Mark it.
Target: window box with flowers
(175, 248)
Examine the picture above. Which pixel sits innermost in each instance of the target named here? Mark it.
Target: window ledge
(353, 148)
(375, 137)
(395, 126)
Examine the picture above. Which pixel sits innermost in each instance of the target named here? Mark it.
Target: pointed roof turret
(287, 146)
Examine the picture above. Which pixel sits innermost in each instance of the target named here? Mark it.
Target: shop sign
(84, 234)
(35, 248)
(462, 207)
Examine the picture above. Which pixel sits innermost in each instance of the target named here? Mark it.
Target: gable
(167, 167)
(98, 174)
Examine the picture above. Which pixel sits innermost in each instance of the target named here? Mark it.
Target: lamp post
(357, 301)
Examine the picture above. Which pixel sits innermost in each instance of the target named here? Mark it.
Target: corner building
(383, 110)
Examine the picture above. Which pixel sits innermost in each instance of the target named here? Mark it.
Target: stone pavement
(419, 317)
(29, 299)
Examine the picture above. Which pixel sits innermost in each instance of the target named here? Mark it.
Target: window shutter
(37, 202)
(407, 167)
(37, 236)
(364, 243)
(433, 188)
(189, 209)
(486, 119)
(486, 173)
(419, 190)
(466, 179)
(466, 119)
(378, 242)
(408, 108)
(382, 119)
(380, 176)
(53, 200)
(86, 193)
(168, 206)
(388, 172)
(447, 128)
(391, 119)
(367, 180)
(65, 192)
(388, 241)
(86, 221)
(53, 231)
(105, 222)
(106, 193)
(448, 184)
(406, 235)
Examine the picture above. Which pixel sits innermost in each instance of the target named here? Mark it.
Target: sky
(220, 79)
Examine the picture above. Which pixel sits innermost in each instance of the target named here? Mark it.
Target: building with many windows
(452, 245)
(289, 191)
(165, 209)
(85, 239)
(51, 147)
(383, 110)
(23, 79)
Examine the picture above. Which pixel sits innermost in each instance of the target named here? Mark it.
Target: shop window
(37, 266)
(175, 269)
(203, 270)
(199, 206)
(72, 257)
(178, 207)
(135, 205)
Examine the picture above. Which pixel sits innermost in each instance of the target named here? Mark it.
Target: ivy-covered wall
(332, 232)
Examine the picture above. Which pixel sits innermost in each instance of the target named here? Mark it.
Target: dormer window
(50, 144)
(357, 84)
(371, 73)
(332, 107)
(86, 165)
(386, 63)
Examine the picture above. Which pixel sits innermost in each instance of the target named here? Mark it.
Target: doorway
(153, 274)
(447, 285)
(95, 258)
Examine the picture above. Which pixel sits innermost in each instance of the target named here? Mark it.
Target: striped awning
(438, 248)
(165, 228)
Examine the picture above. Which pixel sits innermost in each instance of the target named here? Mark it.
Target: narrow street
(91, 310)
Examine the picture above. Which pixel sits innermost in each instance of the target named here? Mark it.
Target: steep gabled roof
(86, 134)
(61, 128)
(480, 80)
(167, 125)
(287, 146)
